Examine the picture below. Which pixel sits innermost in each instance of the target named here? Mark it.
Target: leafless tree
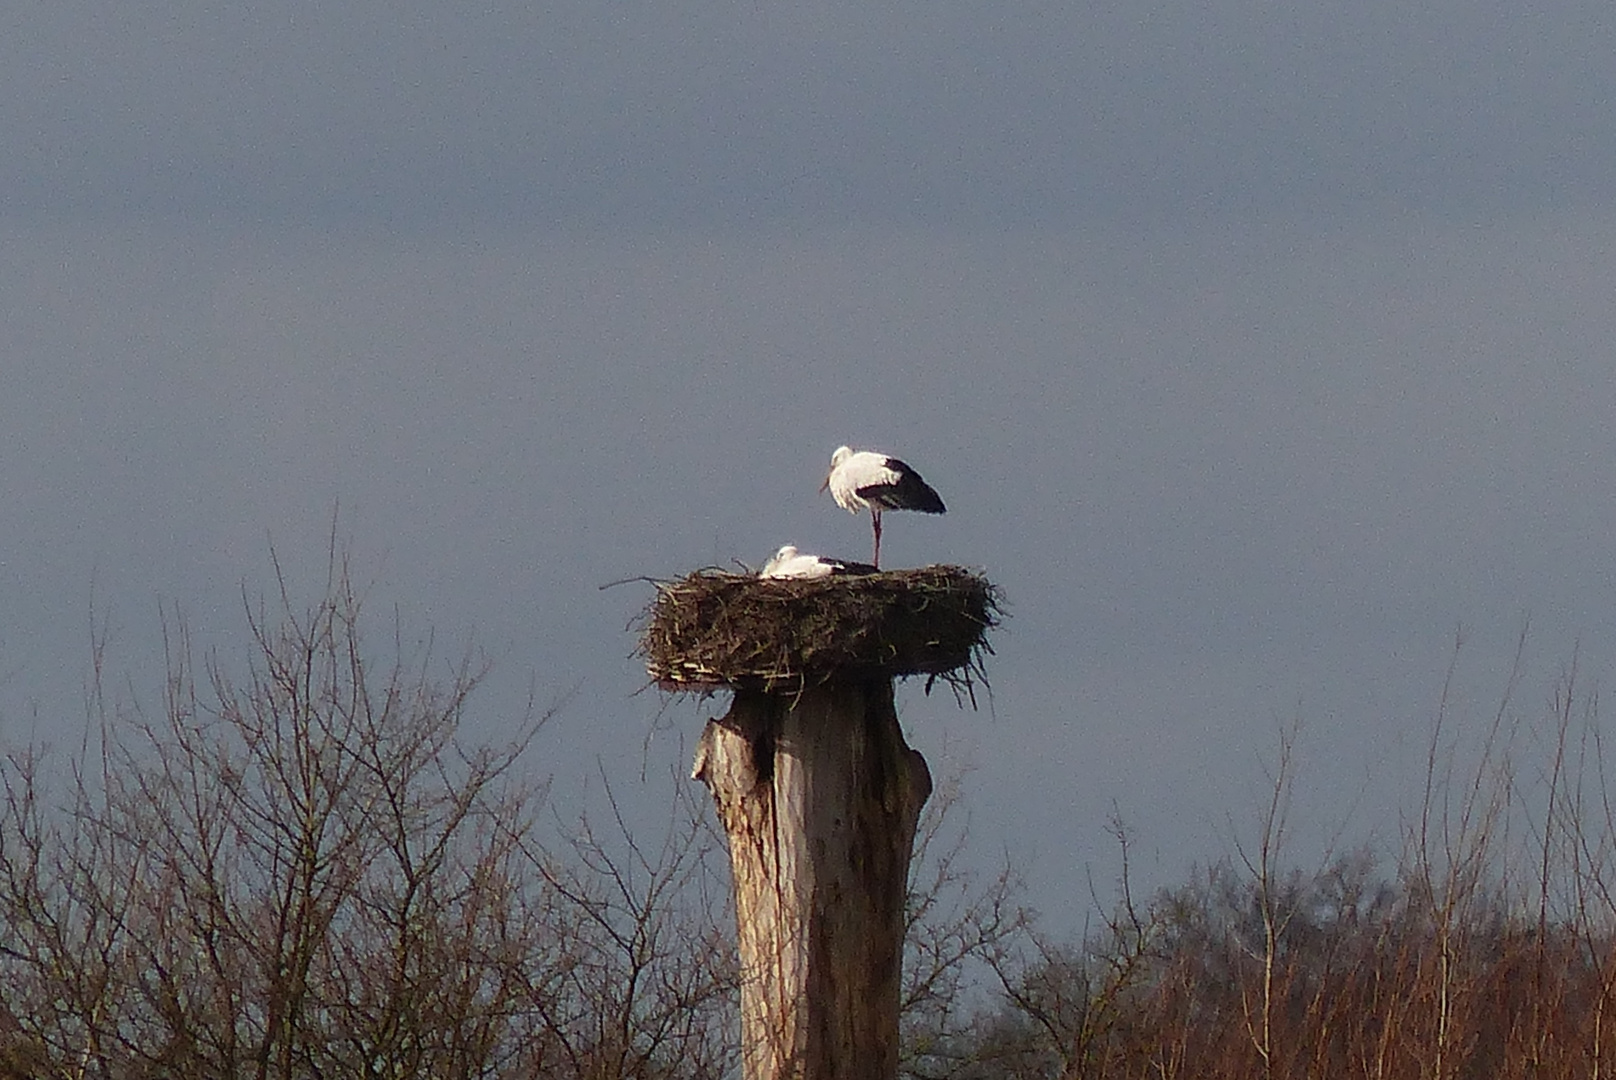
(959, 921)
(301, 868)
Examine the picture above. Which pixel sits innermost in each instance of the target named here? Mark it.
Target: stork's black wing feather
(910, 492)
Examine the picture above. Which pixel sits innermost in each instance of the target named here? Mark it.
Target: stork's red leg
(875, 517)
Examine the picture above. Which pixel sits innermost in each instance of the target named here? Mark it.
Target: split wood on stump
(816, 789)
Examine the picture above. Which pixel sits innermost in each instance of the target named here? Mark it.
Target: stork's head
(785, 553)
(842, 454)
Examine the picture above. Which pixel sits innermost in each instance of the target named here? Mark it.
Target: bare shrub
(958, 922)
(300, 868)
(1482, 948)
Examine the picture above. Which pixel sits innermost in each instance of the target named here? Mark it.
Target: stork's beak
(825, 483)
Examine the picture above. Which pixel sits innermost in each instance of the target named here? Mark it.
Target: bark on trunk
(819, 795)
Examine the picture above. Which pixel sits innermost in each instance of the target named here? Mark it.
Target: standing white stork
(788, 562)
(865, 480)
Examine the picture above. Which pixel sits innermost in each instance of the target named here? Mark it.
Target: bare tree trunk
(820, 796)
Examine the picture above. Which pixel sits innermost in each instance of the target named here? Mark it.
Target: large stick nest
(714, 629)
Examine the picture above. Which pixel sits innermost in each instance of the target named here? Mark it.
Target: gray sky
(1254, 350)
(700, 114)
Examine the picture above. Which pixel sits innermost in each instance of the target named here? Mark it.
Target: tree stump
(819, 795)
(816, 789)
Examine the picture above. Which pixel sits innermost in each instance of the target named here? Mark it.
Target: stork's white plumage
(788, 562)
(865, 480)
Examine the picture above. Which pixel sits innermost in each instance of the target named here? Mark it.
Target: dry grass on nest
(714, 629)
